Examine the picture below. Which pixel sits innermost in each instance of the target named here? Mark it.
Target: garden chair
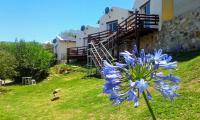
(26, 80)
(33, 82)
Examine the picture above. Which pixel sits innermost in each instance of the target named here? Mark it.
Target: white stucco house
(166, 9)
(81, 36)
(60, 45)
(149, 7)
(112, 17)
(178, 24)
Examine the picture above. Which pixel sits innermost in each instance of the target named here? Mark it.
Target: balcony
(76, 53)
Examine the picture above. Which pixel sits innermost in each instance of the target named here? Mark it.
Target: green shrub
(7, 65)
(31, 59)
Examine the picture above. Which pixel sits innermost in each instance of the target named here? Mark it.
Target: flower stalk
(149, 106)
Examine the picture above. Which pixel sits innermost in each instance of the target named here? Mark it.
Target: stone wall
(180, 34)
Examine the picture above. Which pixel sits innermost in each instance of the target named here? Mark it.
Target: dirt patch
(68, 78)
(4, 91)
(195, 81)
(193, 85)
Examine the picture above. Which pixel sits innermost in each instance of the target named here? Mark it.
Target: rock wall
(180, 34)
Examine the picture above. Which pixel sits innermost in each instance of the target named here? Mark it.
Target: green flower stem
(149, 106)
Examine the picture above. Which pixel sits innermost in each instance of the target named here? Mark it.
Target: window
(112, 26)
(145, 9)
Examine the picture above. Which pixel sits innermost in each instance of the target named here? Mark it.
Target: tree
(48, 47)
(7, 65)
(69, 33)
(33, 60)
(27, 58)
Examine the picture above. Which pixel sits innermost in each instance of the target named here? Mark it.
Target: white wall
(60, 47)
(138, 4)
(156, 8)
(119, 14)
(181, 6)
(83, 34)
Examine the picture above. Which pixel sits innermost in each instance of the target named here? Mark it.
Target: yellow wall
(168, 10)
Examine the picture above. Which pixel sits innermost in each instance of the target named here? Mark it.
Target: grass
(82, 98)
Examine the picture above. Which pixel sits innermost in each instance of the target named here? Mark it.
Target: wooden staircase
(97, 53)
(103, 45)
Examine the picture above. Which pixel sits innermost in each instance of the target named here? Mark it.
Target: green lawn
(82, 98)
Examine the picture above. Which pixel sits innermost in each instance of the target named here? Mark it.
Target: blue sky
(42, 20)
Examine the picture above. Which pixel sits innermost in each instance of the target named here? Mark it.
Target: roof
(66, 38)
(115, 9)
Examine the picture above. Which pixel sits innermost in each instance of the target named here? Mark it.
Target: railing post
(136, 18)
(89, 37)
(136, 29)
(68, 53)
(77, 51)
(118, 28)
(126, 25)
(83, 51)
(99, 36)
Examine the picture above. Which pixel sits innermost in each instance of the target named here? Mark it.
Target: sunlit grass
(82, 98)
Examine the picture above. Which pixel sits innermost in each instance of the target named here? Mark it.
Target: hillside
(82, 97)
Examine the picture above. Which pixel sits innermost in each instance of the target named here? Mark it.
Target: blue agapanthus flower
(129, 80)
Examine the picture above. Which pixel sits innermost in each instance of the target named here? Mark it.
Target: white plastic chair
(33, 82)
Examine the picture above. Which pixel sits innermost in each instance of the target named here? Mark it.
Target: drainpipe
(66, 52)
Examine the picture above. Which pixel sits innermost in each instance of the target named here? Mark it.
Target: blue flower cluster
(127, 81)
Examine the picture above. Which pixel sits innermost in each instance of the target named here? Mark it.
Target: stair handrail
(107, 52)
(95, 59)
(93, 47)
(107, 58)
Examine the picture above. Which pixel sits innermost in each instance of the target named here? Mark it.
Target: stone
(197, 14)
(172, 39)
(192, 35)
(198, 34)
(185, 34)
(183, 21)
(193, 40)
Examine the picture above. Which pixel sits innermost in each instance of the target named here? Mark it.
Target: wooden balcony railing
(138, 21)
(99, 36)
(76, 51)
(133, 22)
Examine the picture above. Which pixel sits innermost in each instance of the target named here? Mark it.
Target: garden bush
(31, 59)
(7, 65)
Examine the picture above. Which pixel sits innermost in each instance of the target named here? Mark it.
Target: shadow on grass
(185, 56)
(93, 76)
(4, 91)
(79, 63)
